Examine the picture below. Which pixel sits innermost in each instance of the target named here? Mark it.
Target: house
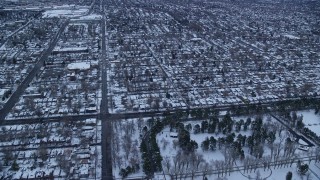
(84, 171)
(173, 134)
(90, 121)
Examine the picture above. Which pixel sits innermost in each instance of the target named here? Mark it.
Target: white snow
(291, 36)
(64, 12)
(167, 149)
(311, 120)
(80, 66)
(91, 17)
(68, 49)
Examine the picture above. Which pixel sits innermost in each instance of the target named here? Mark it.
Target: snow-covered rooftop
(79, 65)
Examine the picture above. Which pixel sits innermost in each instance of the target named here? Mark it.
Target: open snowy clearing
(91, 17)
(170, 150)
(311, 120)
(64, 13)
(126, 151)
(270, 174)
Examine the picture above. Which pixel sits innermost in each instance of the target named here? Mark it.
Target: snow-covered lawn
(311, 120)
(270, 174)
(125, 144)
(169, 148)
(91, 17)
(79, 65)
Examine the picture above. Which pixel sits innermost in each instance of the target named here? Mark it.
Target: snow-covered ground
(270, 174)
(79, 65)
(125, 144)
(170, 149)
(63, 13)
(90, 17)
(311, 120)
(69, 12)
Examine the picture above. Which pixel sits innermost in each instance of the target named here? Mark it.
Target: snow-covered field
(270, 174)
(126, 153)
(125, 144)
(169, 149)
(66, 11)
(90, 17)
(311, 120)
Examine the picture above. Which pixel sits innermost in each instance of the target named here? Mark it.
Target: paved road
(24, 84)
(117, 116)
(106, 123)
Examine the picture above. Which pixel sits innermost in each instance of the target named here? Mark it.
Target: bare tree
(205, 167)
(166, 163)
(43, 152)
(177, 164)
(126, 144)
(64, 163)
(140, 123)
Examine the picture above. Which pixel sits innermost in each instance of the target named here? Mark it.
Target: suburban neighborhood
(148, 89)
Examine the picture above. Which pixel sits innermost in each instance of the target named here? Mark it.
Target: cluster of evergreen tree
(259, 136)
(150, 150)
(291, 105)
(302, 168)
(289, 176)
(249, 109)
(185, 143)
(209, 144)
(225, 125)
(203, 113)
(280, 106)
